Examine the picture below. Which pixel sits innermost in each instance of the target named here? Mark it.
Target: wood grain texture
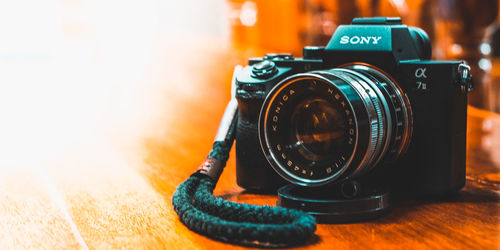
(113, 188)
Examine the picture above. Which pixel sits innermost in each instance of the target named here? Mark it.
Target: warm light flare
(79, 73)
(82, 84)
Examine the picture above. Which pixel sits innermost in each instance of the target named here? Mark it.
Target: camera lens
(323, 126)
(317, 129)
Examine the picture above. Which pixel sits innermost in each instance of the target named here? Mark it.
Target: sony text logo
(360, 39)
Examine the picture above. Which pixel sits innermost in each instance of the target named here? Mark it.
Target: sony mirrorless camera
(371, 105)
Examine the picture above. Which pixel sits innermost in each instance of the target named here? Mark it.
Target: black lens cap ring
(328, 209)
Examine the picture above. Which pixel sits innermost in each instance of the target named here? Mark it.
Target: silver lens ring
(374, 103)
(385, 133)
(399, 104)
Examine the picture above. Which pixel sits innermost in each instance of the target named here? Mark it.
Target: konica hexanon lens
(322, 126)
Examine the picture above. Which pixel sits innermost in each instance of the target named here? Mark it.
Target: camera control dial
(264, 69)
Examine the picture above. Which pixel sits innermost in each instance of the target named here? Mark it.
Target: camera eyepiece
(327, 125)
(422, 42)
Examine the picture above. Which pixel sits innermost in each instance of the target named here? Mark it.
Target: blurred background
(68, 65)
(459, 29)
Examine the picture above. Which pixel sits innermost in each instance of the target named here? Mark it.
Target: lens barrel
(323, 126)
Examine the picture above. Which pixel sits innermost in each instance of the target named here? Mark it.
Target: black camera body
(370, 105)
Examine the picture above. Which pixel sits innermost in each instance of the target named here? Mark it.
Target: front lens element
(308, 129)
(318, 129)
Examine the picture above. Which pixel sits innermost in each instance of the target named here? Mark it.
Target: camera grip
(253, 172)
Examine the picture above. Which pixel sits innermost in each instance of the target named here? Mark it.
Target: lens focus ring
(376, 118)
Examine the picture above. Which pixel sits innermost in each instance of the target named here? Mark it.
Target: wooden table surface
(118, 151)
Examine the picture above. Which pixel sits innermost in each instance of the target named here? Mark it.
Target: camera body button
(264, 69)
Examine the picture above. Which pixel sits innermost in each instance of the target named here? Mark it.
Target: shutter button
(264, 69)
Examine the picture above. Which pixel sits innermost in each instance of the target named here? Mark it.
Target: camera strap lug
(465, 78)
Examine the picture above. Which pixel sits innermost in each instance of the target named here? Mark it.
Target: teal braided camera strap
(234, 222)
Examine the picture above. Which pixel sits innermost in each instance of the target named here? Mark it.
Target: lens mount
(322, 126)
